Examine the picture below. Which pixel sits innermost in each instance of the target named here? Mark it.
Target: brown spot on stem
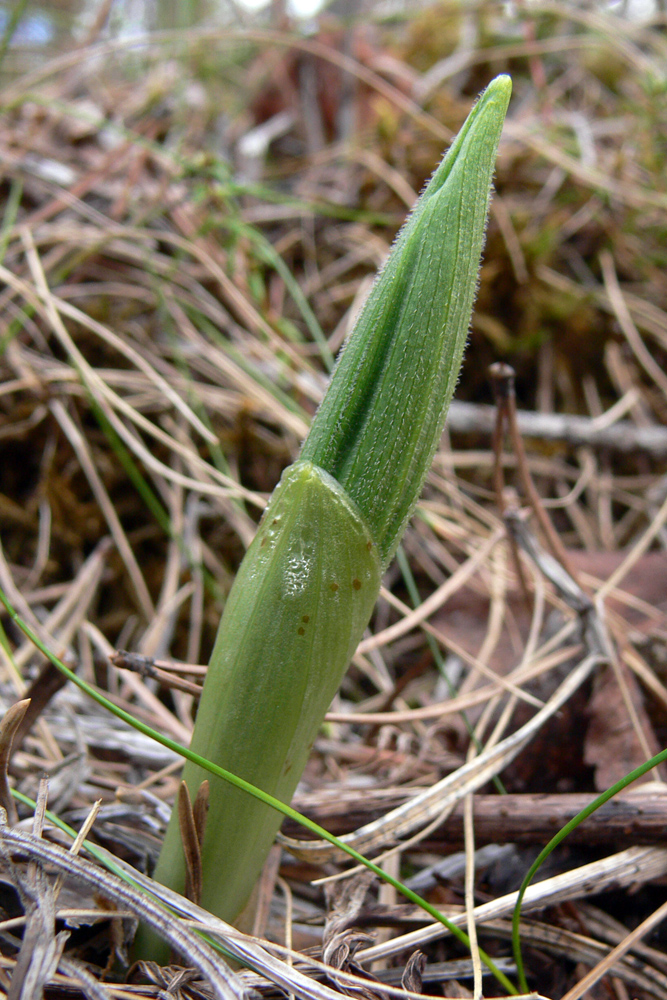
(301, 630)
(356, 584)
(306, 619)
(334, 587)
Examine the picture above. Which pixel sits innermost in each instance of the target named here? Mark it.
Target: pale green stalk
(309, 581)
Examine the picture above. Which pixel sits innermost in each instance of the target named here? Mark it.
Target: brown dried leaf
(341, 940)
(191, 845)
(344, 904)
(10, 723)
(414, 970)
(611, 744)
(200, 810)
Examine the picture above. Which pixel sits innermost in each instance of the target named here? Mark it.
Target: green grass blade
(559, 838)
(10, 215)
(13, 22)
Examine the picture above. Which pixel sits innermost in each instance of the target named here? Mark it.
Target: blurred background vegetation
(208, 190)
(194, 198)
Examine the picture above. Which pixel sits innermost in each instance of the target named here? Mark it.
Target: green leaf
(381, 419)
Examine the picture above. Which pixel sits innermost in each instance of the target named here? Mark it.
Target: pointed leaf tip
(500, 91)
(501, 84)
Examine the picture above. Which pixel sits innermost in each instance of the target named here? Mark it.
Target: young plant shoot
(306, 588)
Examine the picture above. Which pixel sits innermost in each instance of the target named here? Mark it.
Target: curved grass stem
(245, 786)
(557, 839)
